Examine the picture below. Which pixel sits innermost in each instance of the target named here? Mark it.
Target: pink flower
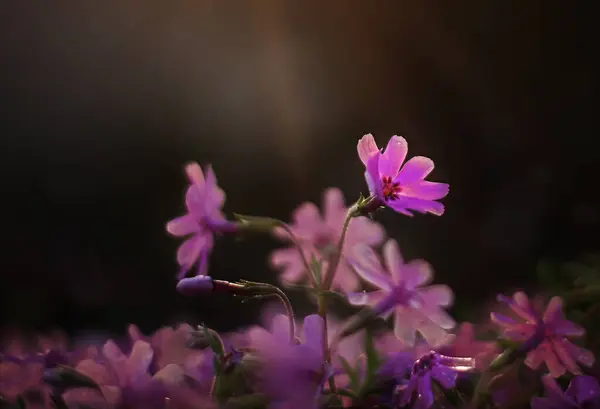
(401, 291)
(293, 374)
(403, 188)
(319, 235)
(125, 379)
(465, 344)
(204, 200)
(544, 336)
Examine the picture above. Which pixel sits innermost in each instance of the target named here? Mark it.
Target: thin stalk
(333, 266)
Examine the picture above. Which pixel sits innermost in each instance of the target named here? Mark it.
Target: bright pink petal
(366, 148)
(562, 327)
(535, 358)
(565, 357)
(553, 310)
(363, 230)
(184, 225)
(439, 317)
(555, 367)
(405, 204)
(426, 190)
(414, 170)
(393, 156)
(393, 260)
(372, 175)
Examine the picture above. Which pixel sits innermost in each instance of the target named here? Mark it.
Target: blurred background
(102, 103)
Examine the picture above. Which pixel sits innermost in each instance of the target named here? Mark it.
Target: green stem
(333, 266)
(322, 300)
(298, 245)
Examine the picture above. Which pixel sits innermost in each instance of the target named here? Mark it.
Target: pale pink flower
(544, 336)
(402, 292)
(319, 235)
(204, 200)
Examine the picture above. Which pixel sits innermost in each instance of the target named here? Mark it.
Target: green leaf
(352, 375)
(213, 342)
(373, 362)
(257, 223)
(63, 378)
(316, 269)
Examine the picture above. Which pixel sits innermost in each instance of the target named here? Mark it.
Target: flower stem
(298, 245)
(333, 266)
(322, 305)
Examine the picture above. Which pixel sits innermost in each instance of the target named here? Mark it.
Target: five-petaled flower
(403, 188)
(544, 337)
(318, 237)
(204, 200)
(401, 291)
(582, 390)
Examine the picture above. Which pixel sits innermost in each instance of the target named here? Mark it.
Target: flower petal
(393, 156)
(435, 295)
(414, 170)
(372, 175)
(393, 260)
(214, 196)
(444, 375)
(313, 332)
(425, 393)
(553, 310)
(366, 148)
(416, 273)
(334, 206)
(365, 262)
(190, 250)
(184, 225)
(405, 326)
(404, 203)
(565, 357)
(426, 190)
(581, 355)
(439, 317)
(583, 389)
(195, 174)
(307, 220)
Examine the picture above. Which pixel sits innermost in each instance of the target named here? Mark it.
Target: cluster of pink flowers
(400, 349)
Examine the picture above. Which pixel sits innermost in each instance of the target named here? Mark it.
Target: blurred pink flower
(544, 336)
(293, 374)
(403, 188)
(401, 291)
(125, 379)
(319, 236)
(465, 344)
(204, 200)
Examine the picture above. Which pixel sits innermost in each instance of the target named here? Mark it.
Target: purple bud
(196, 285)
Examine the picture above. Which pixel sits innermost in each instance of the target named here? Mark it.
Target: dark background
(101, 104)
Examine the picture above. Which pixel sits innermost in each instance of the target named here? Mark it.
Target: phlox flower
(125, 379)
(431, 366)
(318, 235)
(581, 391)
(464, 343)
(293, 373)
(402, 188)
(204, 200)
(545, 337)
(402, 292)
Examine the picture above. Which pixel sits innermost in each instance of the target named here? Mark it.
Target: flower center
(425, 363)
(390, 190)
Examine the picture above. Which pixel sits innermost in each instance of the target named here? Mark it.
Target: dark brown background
(101, 103)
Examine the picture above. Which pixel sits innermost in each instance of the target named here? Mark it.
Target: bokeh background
(102, 103)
